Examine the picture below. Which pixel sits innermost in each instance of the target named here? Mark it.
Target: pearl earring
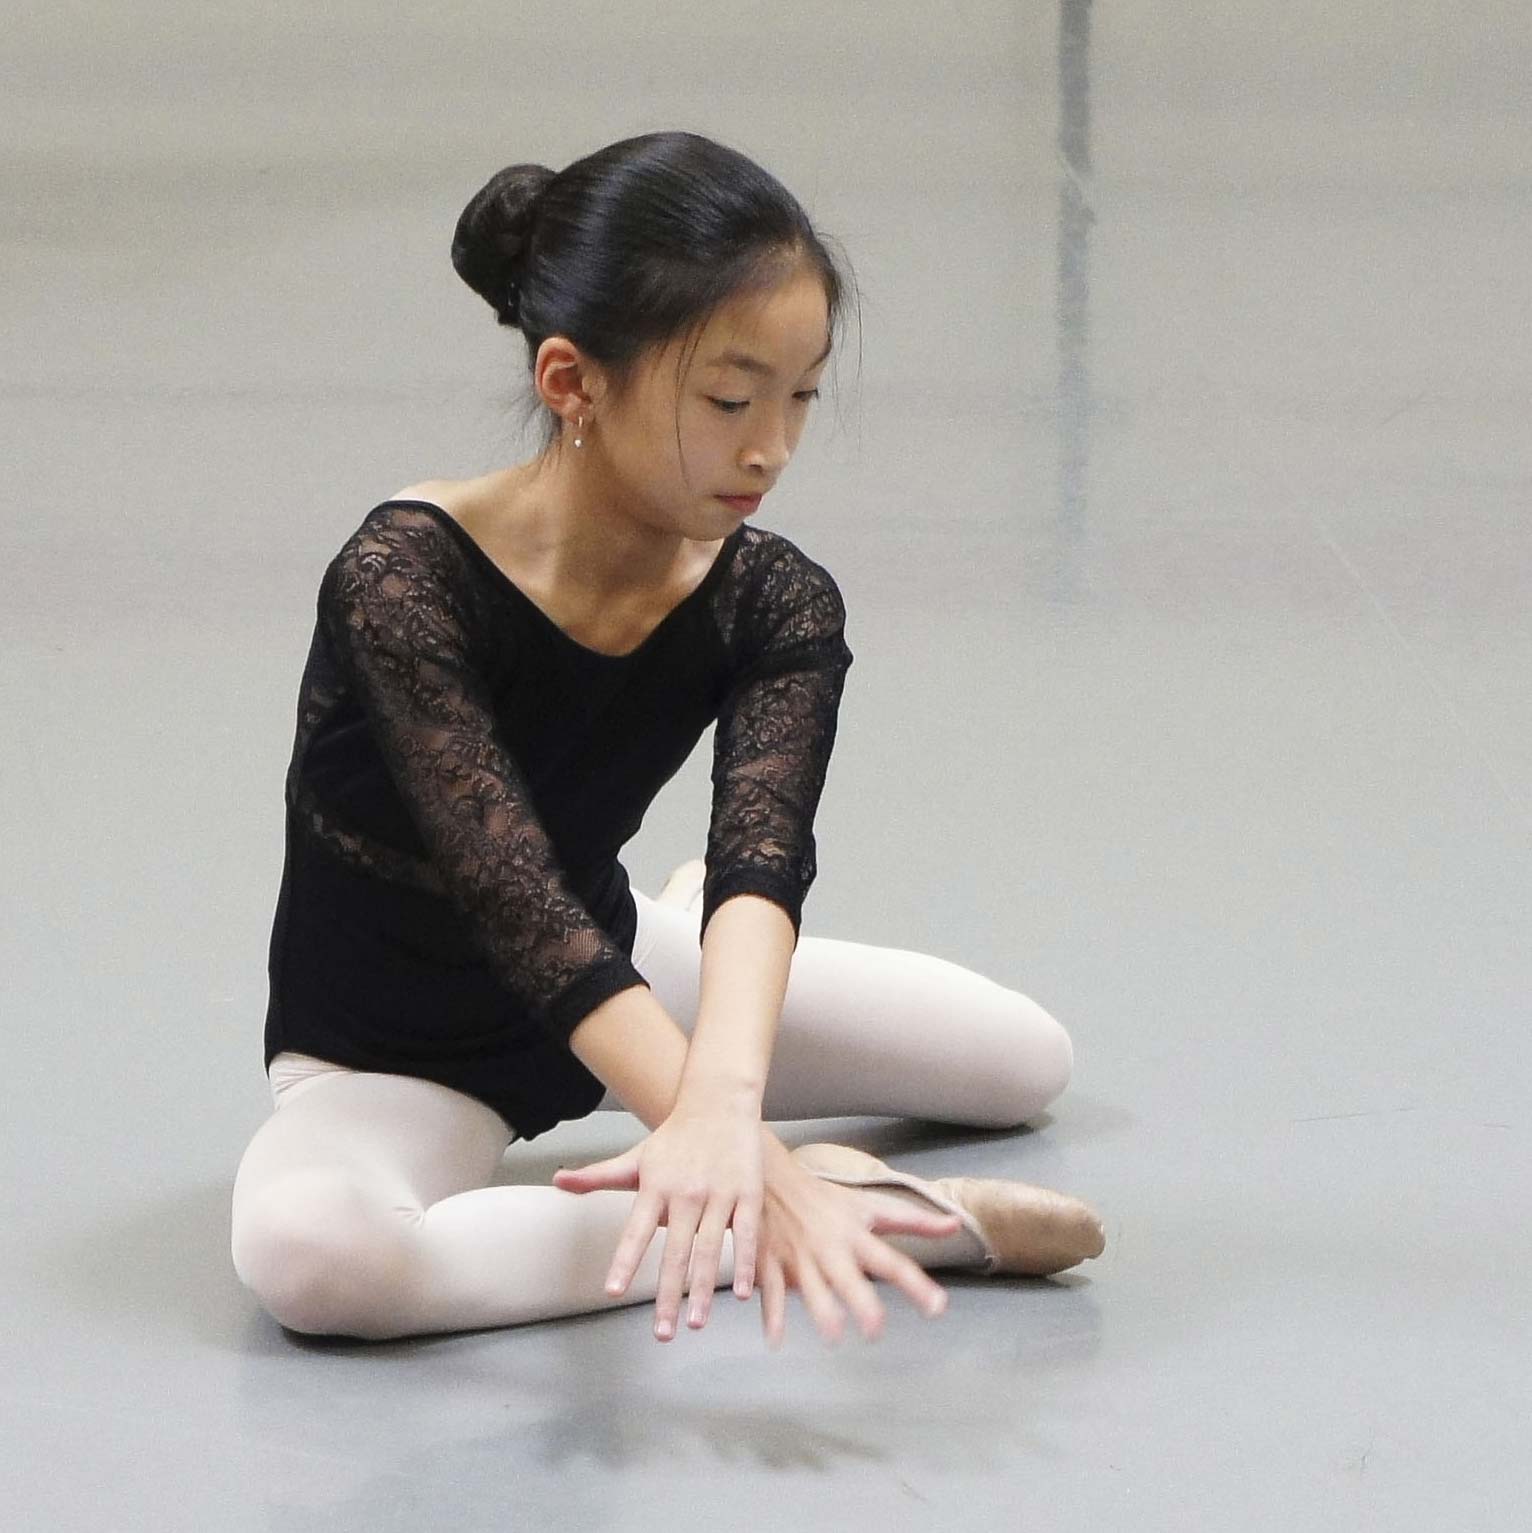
(580, 426)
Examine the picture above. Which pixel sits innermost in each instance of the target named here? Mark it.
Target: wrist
(774, 1154)
(719, 1094)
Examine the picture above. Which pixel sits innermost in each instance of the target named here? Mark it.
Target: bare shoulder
(446, 493)
(480, 506)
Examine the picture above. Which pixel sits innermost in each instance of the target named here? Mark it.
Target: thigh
(877, 1030)
(894, 1031)
(409, 1141)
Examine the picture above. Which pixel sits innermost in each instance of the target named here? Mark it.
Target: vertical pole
(1075, 219)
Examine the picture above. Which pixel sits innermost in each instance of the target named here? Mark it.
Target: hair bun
(489, 245)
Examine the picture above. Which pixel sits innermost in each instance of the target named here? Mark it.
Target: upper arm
(400, 622)
(776, 731)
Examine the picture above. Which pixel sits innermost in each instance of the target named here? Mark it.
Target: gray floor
(1181, 502)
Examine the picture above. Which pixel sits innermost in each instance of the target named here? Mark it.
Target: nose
(769, 450)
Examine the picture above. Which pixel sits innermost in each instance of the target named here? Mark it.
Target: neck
(580, 531)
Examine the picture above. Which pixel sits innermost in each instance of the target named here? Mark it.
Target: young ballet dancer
(504, 672)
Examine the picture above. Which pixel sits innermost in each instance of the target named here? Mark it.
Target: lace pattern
(401, 631)
(776, 730)
(400, 650)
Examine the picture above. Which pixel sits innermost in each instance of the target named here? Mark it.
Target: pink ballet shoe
(1024, 1229)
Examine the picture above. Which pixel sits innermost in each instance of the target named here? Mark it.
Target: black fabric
(464, 774)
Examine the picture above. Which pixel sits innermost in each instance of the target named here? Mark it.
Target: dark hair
(632, 247)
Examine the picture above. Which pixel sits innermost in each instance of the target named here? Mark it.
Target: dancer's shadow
(581, 1397)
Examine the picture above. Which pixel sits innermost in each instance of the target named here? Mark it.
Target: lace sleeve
(401, 636)
(776, 729)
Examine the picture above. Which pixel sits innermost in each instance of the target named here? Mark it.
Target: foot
(1032, 1230)
(1025, 1229)
(684, 887)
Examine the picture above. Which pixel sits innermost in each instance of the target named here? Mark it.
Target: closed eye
(734, 406)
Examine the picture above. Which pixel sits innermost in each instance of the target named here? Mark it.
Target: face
(745, 397)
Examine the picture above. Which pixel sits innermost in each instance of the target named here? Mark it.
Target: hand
(817, 1235)
(697, 1173)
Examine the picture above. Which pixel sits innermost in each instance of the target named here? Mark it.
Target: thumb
(620, 1172)
(914, 1221)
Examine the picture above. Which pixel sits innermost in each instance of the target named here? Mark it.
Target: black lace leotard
(465, 773)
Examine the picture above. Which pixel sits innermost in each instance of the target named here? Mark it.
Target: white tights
(361, 1206)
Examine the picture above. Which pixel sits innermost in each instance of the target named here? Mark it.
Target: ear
(568, 381)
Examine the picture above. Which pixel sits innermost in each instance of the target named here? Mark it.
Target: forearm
(746, 957)
(632, 1045)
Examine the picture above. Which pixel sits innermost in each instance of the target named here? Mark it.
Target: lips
(741, 502)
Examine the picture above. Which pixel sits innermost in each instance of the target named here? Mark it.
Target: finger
(707, 1254)
(773, 1301)
(914, 1221)
(681, 1218)
(881, 1259)
(633, 1243)
(826, 1313)
(620, 1173)
(860, 1297)
(747, 1236)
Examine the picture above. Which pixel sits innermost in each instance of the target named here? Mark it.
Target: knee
(318, 1253)
(1037, 1064)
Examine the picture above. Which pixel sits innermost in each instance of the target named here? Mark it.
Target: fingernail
(662, 1330)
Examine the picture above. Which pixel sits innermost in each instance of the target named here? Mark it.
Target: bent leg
(878, 1031)
(360, 1210)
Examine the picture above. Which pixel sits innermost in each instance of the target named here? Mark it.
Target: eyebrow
(746, 363)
